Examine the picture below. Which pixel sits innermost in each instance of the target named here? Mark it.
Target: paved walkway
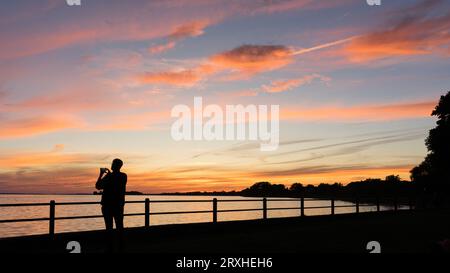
(402, 231)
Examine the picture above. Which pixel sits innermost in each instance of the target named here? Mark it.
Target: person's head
(116, 165)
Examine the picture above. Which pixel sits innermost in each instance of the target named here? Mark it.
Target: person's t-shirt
(114, 188)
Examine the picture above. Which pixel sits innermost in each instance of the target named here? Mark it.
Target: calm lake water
(28, 228)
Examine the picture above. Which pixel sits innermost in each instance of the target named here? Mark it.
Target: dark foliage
(389, 187)
(432, 176)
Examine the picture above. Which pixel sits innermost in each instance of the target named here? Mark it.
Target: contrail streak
(306, 50)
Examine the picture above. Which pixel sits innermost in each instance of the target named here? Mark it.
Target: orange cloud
(365, 112)
(70, 100)
(42, 159)
(244, 60)
(80, 98)
(285, 85)
(177, 78)
(191, 29)
(414, 34)
(37, 125)
(161, 48)
(252, 59)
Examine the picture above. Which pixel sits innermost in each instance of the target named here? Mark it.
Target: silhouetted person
(113, 185)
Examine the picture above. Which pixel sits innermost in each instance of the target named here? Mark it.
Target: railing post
(378, 204)
(215, 210)
(264, 208)
(332, 206)
(302, 206)
(395, 203)
(357, 205)
(51, 226)
(147, 212)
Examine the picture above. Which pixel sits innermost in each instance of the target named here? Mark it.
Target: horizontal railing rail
(214, 209)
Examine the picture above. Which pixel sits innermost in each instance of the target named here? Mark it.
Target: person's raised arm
(100, 185)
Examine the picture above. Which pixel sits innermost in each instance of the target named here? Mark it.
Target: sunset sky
(80, 86)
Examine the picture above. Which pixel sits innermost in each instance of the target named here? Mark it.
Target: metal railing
(147, 211)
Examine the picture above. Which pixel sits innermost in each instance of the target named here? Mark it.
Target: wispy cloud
(186, 30)
(48, 159)
(322, 46)
(279, 86)
(29, 126)
(333, 170)
(156, 49)
(349, 147)
(177, 78)
(249, 147)
(370, 112)
(415, 32)
(275, 6)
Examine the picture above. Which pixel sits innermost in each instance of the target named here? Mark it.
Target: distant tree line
(391, 186)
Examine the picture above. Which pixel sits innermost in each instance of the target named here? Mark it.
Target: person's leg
(108, 217)
(118, 218)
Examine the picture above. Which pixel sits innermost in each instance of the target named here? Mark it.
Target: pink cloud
(161, 48)
(368, 112)
(191, 29)
(242, 61)
(252, 59)
(177, 78)
(186, 30)
(415, 33)
(22, 127)
(279, 86)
